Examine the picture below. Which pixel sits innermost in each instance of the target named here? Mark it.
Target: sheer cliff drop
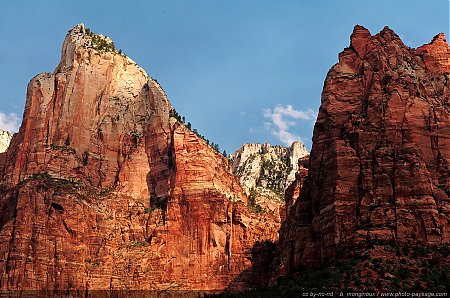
(102, 189)
(379, 168)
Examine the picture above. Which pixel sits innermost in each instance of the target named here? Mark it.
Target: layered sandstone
(379, 167)
(5, 139)
(102, 189)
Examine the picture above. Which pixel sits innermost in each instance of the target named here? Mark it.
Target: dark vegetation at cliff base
(253, 206)
(375, 267)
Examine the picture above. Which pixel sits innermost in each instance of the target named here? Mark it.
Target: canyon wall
(102, 189)
(379, 167)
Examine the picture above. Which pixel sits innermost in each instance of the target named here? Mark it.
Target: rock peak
(79, 27)
(436, 54)
(100, 128)
(81, 43)
(297, 144)
(359, 40)
(360, 28)
(387, 29)
(357, 200)
(389, 34)
(439, 38)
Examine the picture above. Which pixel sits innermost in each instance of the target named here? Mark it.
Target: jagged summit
(82, 45)
(439, 38)
(359, 29)
(84, 37)
(439, 41)
(361, 38)
(378, 180)
(362, 41)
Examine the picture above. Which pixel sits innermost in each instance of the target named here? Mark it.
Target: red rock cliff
(102, 189)
(379, 167)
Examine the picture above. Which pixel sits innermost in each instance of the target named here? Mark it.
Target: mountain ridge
(104, 188)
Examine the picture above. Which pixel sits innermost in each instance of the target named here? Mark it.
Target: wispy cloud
(9, 122)
(282, 118)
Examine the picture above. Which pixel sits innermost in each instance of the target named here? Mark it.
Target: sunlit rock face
(102, 189)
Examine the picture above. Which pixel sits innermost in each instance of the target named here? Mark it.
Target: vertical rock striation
(379, 168)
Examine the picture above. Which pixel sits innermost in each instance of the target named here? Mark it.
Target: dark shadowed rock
(379, 166)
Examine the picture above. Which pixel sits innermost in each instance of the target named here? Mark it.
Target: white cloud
(9, 122)
(282, 118)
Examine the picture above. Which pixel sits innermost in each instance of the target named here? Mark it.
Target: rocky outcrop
(265, 171)
(103, 189)
(5, 139)
(379, 167)
(293, 190)
(270, 167)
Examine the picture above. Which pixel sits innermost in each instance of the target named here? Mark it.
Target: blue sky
(240, 71)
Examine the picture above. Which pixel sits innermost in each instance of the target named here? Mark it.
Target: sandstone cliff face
(5, 139)
(292, 192)
(102, 189)
(379, 166)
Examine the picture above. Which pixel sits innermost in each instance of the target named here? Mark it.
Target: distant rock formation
(266, 171)
(103, 189)
(5, 139)
(271, 167)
